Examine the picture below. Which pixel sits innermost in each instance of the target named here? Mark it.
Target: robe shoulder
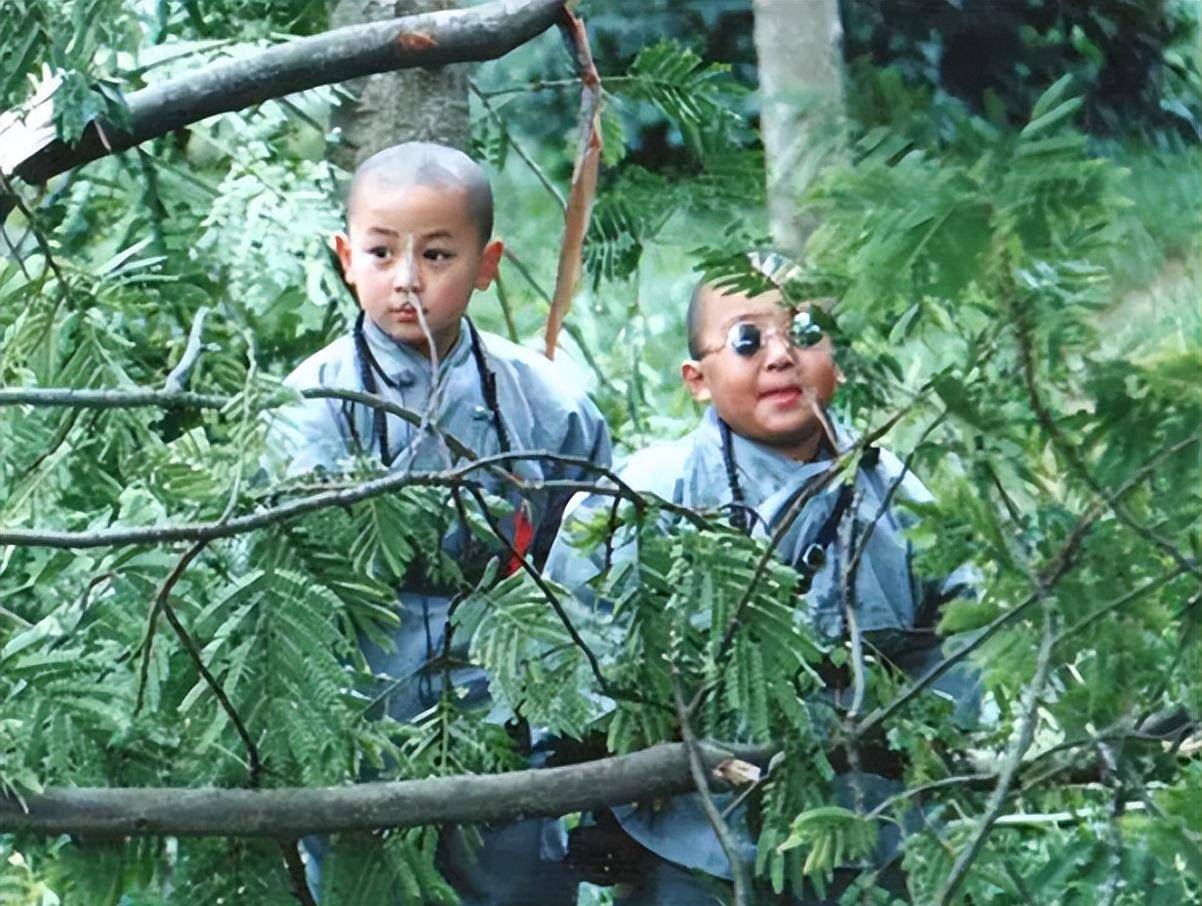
(332, 366)
(661, 468)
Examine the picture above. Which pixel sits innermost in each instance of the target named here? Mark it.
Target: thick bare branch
(659, 771)
(72, 398)
(432, 39)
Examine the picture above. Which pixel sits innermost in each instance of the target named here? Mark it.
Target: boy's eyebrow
(434, 234)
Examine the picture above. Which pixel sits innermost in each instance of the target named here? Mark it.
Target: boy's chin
(411, 334)
(791, 439)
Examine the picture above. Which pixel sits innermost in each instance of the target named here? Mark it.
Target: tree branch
(1078, 465)
(341, 497)
(71, 398)
(296, 872)
(182, 372)
(1009, 770)
(197, 656)
(431, 39)
(517, 148)
(289, 813)
(584, 180)
(1063, 561)
(156, 608)
(697, 770)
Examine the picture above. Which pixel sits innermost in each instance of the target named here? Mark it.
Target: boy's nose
(778, 352)
(406, 276)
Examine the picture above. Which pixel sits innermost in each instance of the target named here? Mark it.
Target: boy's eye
(437, 255)
(745, 339)
(804, 331)
(379, 251)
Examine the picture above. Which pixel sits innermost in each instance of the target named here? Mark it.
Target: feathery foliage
(985, 276)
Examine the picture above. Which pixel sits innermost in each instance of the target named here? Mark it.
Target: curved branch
(431, 39)
(579, 206)
(659, 771)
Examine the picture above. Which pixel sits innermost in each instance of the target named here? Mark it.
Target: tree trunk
(391, 107)
(798, 45)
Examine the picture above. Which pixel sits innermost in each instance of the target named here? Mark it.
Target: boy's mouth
(403, 312)
(782, 395)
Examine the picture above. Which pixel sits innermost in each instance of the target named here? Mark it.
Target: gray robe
(543, 410)
(692, 472)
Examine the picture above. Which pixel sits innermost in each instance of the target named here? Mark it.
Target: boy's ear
(341, 243)
(694, 379)
(490, 263)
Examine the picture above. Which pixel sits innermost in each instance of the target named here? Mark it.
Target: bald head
(428, 165)
(692, 318)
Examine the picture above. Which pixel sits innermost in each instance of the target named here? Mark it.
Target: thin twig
(15, 618)
(17, 257)
(152, 200)
(819, 484)
(194, 652)
(179, 376)
(573, 331)
(1063, 561)
(38, 235)
(847, 596)
(156, 607)
(1009, 771)
(1117, 604)
(862, 543)
(517, 148)
(721, 828)
(910, 792)
(541, 583)
(1078, 465)
(506, 309)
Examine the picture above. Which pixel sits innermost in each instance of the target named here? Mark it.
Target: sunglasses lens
(745, 340)
(804, 331)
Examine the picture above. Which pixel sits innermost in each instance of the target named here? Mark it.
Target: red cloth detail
(523, 537)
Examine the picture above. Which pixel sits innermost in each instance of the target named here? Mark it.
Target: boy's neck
(805, 451)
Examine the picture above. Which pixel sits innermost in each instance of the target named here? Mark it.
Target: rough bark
(424, 104)
(662, 770)
(797, 43)
(433, 39)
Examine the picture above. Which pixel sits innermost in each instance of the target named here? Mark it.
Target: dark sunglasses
(747, 339)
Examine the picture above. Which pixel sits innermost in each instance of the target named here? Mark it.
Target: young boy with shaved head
(767, 372)
(418, 243)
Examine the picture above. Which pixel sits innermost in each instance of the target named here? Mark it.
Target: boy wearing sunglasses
(768, 373)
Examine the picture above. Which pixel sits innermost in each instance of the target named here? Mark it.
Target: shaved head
(428, 165)
(692, 320)
(777, 268)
